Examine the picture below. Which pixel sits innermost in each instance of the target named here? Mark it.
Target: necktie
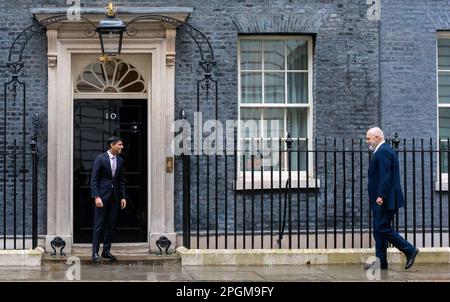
(113, 165)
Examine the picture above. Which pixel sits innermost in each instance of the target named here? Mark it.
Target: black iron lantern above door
(110, 31)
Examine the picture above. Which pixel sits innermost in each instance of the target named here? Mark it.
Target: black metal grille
(18, 198)
(318, 201)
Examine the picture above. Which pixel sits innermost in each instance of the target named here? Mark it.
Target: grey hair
(376, 131)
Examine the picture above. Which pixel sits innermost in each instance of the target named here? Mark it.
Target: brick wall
(346, 63)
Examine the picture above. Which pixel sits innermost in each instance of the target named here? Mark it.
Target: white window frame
(266, 175)
(444, 176)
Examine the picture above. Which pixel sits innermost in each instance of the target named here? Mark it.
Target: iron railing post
(299, 167)
(235, 146)
(186, 200)
(405, 185)
(35, 159)
(431, 191)
(289, 150)
(252, 192)
(186, 162)
(422, 167)
(307, 191)
(15, 193)
(395, 144)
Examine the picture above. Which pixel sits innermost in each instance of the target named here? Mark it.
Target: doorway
(95, 120)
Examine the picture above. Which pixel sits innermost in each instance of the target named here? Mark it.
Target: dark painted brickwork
(346, 66)
(15, 17)
(408, 62)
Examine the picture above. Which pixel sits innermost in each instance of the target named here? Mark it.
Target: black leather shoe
(368, 266)
(410, 260)
(109, 256)
(96, 258)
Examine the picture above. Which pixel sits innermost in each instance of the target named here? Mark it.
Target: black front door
(94, 122)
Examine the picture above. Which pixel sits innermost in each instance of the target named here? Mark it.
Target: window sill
(441, 188)
(267, 185)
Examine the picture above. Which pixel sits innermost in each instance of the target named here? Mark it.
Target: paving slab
(281, 273)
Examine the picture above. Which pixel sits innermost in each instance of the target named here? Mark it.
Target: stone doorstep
(117, 248)
(302, 256)
(21, 257)
(132, 259)
(229, 257)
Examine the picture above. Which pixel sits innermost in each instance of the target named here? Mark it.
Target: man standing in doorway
(108, 189)
(385, 198)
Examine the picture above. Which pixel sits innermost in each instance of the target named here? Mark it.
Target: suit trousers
(384, 233)
(104, 218)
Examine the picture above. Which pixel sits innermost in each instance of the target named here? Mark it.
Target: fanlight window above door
(115, 76)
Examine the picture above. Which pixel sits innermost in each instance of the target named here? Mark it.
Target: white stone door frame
(66, 40)
(142, 62)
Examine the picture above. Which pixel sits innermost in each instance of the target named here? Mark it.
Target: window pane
(274, 87)
(297, 54)
(251, 87)
(251, 118)
(297, 122)
(444, 147)
(444, 53)
(299, 161)
(444, 87)
(99, 71)
(272, 157)
(297, 87)
(297, 126)
(444, 134)
(250, 56)
(273, 55)
(110, 67)
(444, 123)
(250, 159)
(273, 119)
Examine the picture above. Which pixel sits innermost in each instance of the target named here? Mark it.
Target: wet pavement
(314, 273)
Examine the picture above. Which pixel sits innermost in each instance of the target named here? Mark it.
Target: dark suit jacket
(102, 182)
(384, 180)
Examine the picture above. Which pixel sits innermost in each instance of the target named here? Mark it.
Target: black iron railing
(19, 194)
(313, 194)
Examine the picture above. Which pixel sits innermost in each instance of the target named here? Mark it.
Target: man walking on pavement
(385, 198)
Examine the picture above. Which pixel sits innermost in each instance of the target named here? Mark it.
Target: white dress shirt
(378, 146)
(113, 162)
